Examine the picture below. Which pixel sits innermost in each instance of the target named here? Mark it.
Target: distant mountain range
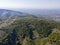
(41, 12)
(45, 13)
(35, 12)
(7, 15)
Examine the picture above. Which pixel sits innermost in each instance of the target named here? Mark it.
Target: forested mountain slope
(32, 31)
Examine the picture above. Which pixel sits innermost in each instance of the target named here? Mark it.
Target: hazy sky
(38, 4)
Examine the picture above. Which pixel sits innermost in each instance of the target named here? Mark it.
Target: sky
(34, 4)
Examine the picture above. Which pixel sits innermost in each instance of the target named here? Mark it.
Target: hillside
(10, 14)
(7, 17)
(17, 28)
(32, 31)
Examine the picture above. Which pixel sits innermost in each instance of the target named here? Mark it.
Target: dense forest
(31, 31)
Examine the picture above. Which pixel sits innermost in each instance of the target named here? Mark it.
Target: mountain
(9, 13)
(26, 29)
(31, 31)
(4, 14)
(44, 13)
(7, 17)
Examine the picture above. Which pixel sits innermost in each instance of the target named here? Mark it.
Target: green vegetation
(32, 31)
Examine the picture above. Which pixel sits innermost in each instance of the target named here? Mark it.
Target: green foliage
(35, 31)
